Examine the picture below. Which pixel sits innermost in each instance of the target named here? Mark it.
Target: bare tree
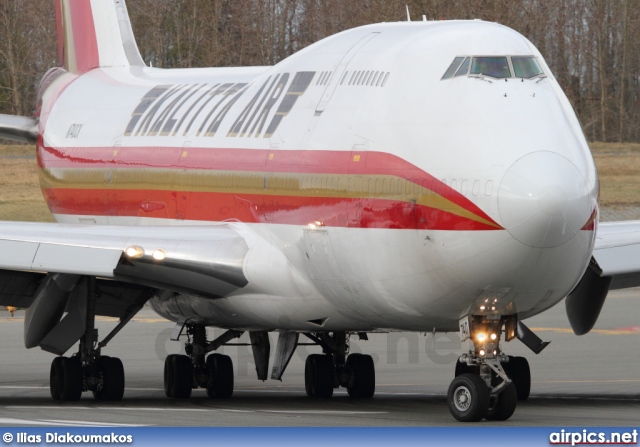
(589, 44)
(27, 50)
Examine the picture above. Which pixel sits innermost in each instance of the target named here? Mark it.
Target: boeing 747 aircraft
(418, 176)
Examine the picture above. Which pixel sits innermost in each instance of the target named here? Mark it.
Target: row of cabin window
(372, 78)
(324, 77)
(355, 184)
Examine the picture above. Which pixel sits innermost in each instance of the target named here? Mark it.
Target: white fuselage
(383, 197)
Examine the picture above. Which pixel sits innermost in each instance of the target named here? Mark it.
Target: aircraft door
(339, 71)
(110, 201)
(356, 186)
(182, 196)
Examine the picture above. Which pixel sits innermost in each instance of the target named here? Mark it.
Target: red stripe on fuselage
(291, 210)
(591, 223)
(254, 160)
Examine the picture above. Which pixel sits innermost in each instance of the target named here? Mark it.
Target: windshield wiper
(539, 76)
(480, 76)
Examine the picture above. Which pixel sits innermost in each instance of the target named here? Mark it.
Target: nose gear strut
(482, 388)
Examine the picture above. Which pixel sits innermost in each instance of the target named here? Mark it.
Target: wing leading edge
(205, 260)
(18, 128)
(617, 253)
(60, 271)
(615, 264)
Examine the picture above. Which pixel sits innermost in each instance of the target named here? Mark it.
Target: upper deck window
(494, 66)
(499, 67)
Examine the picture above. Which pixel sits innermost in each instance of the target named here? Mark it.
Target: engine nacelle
(585, 302)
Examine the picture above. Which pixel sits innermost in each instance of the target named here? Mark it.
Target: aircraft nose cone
(544, 200)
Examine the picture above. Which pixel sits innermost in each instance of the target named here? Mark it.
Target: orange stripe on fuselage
(370, 189)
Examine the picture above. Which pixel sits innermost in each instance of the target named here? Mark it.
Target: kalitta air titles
(199, 109)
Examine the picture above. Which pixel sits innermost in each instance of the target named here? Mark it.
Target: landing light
(482, 353)
(493, 336)
(159, 254)
(315, 225)
(134, 251)
(481, 336)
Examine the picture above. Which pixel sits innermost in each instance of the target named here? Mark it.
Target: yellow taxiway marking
(197, 410)
(136, 319)
(621, 331)
(107, 319)
(562, 330)
(590, 381)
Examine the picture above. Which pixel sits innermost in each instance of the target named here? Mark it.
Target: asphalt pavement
(593, 380)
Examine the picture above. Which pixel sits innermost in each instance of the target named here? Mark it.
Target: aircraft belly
(377, 279)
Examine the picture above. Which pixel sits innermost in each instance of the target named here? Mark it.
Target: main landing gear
(488, 383)
(88, 370)
(69, 378)
(334, 368)
(183, 373)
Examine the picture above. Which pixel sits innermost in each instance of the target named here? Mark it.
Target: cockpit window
(459, 67)
(453, 67)
(464, 68)
(496, 67)
(525, 67)
(499, 67)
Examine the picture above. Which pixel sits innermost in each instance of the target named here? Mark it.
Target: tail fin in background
(95, 33)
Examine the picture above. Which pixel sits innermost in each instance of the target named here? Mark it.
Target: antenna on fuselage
(408, 15)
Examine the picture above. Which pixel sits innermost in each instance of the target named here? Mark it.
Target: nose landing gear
(482, 389)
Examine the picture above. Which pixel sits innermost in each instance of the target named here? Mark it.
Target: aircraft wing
(206, 260)
(18, 128)
(617, 253)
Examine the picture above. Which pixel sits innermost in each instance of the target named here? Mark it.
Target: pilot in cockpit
(496, 67)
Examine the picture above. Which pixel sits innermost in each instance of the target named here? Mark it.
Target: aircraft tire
(220, 371)
(178, 376)
(318, 375)
(362, 376)
(113, 379)
(468, 398)
(55, 377)
(519, 372)
(307, 377)
(70, 380)
(168, 375)
(505, 404)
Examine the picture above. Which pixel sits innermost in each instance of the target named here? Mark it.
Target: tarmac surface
(593, 380)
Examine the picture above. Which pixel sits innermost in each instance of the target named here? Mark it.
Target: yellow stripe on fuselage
(317, 185)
